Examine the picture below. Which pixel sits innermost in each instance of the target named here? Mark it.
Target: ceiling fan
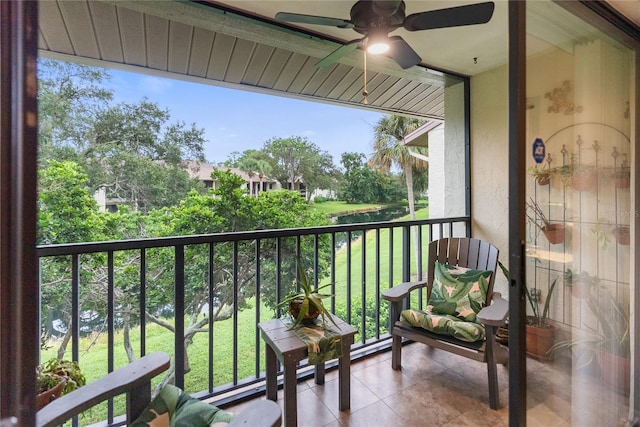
(375, 19)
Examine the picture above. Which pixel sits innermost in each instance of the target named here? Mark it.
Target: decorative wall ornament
(560, 100)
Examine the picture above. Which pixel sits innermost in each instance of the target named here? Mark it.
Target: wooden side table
(289, 349)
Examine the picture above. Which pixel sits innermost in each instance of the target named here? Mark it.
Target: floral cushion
(458, 291)
(174, 408)
(444, 324)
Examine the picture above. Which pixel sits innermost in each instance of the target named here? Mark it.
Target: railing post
(178, 358)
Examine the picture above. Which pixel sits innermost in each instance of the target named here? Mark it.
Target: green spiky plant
(539, 316)
(309, 299)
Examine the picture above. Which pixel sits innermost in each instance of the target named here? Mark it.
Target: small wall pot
(623, 236)
(622, 179)
(584, 181)
(543, 179)
(539, 341)
(580, 290)
(554, 233)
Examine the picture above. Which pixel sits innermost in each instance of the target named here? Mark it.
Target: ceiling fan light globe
(378, 48)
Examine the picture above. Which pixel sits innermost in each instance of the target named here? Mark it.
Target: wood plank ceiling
(201, 43)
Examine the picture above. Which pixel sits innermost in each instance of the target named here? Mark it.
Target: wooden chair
(463, 252)
(134, 380)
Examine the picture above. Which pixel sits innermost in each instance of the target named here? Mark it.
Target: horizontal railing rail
(211, 291)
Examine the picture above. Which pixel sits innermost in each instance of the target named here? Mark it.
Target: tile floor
(435, 388)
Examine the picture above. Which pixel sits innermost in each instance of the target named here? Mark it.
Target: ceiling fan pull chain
(364, 91)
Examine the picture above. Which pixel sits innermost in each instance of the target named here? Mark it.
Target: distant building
(254, 182)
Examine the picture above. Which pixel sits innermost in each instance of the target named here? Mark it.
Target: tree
(296, 159)
(361, 184)
(131, 150)
(253, 162)
(70, 95)
(389, 150)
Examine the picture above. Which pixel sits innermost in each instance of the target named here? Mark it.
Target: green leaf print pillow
(458, 291)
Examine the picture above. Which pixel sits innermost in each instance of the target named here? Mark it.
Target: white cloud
(309, 133)
(155, 84)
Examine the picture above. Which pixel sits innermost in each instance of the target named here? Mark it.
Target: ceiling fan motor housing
(369, 15)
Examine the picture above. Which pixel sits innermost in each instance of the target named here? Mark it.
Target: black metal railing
(222, 285)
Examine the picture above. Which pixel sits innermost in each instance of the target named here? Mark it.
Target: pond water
(386, 214)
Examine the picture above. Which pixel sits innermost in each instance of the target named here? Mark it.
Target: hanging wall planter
(622, 179)
(554, 233)
(623, 236)
(584, 181)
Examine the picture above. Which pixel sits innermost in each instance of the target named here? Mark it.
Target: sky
(237, 120)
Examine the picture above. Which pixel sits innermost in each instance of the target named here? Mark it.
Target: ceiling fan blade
(311, 19)
(338, 53)
(472, 14)
(402, 53)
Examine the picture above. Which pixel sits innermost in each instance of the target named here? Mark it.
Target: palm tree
(389, 150)
(263, 168)
(248, 165)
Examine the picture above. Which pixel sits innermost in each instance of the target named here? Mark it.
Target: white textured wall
(446, 160)
(489, 165)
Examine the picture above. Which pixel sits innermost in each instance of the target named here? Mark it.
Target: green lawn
(93, 350)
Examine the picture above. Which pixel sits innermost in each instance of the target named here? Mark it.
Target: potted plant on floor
(539, 331)
(306, 305)
(609, 344)
(55, 378)
(554, 232)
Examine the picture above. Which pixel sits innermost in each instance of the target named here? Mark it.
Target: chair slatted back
(463, 252)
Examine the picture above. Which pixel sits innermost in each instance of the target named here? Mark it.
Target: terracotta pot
(46, 397)
(543, 179)
(615, 371)
(554, 233)
(294, 311)
(622, 179)
(623, 236)
(539, 340)
(580, 290)
(584, 181)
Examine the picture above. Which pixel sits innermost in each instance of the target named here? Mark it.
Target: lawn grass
(93, 350)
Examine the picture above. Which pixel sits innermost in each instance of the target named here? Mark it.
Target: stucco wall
(489, 165)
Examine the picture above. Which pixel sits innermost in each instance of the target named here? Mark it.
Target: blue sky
(236, 120)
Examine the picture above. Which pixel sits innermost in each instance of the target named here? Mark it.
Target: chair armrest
(133, 379)
(495, 313)
(401, 291)
(262, 413)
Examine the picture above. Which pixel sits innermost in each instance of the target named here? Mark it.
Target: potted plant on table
(55, 378)
(539, 331)
(554, 232)
(306, 305)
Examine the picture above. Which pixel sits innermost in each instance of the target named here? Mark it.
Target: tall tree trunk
(126, 338)
(408, 173)
(65, 341)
